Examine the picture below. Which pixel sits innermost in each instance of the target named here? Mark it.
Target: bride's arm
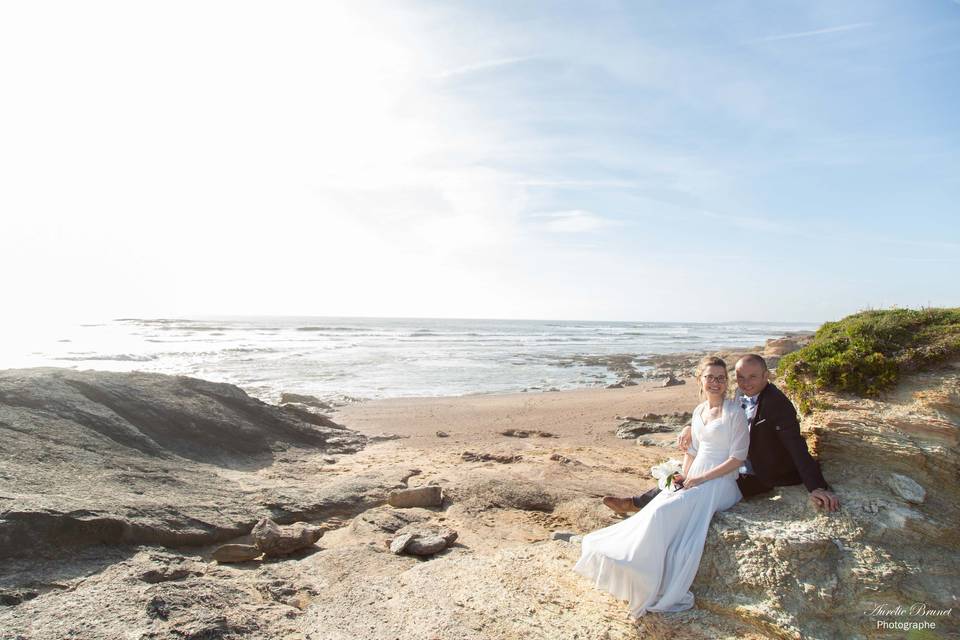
(687, 461)
(691, 453)
(721, 469)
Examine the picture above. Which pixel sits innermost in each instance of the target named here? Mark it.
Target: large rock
(423, 542)
(426, 496)
(776, 562)
(100, 457)
(276, 541)
(237, 553)
(304, 399)
(629, 430)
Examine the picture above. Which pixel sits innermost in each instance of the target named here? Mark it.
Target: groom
(778, 454)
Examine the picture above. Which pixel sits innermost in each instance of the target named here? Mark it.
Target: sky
(696, 161)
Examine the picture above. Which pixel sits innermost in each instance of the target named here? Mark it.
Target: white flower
(664, 473)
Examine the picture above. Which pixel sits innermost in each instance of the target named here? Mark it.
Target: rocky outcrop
(100, 457)
(779, 564)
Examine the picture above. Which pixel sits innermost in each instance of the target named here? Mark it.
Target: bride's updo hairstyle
(710, 361)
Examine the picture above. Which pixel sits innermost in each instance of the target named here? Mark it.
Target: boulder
(308, 400)
(427, 496)
(276, 541)
(423, 542)
(672, 381)
(781, 346)
(237, 553)
(631, 430)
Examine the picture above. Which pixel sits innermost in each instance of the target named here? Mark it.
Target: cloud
(579, 184)
(817, 32)
(482, 66)
(575, 221)
(752, 223)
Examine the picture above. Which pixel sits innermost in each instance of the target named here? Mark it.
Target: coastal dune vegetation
(868, 352)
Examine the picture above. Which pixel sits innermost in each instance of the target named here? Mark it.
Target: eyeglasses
(715, 378)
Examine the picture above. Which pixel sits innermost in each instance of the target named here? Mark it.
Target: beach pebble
(443, 434)
(907, 488)
(427, 496)
(562, 535)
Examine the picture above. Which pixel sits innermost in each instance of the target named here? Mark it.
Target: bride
(651, 558)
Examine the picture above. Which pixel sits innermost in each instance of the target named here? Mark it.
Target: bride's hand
(691, 482)
(678, 480)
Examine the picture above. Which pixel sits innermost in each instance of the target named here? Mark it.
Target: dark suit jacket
(778, 452)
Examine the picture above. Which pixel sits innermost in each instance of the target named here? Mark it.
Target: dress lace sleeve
(739, 434)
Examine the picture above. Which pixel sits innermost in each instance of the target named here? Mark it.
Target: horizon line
(213, 316)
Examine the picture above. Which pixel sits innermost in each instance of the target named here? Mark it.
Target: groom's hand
(821, 498)
(684, 440)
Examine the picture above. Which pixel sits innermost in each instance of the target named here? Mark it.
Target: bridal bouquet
(665, 473)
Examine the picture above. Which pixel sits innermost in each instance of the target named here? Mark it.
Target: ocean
(344, 359)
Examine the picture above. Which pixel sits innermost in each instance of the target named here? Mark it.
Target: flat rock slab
(423, 542)
(428, 496)
(237, 553)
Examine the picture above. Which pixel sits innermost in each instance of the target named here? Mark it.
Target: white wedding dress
(651, 558)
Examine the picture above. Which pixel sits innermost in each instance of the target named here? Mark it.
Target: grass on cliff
(867, 352)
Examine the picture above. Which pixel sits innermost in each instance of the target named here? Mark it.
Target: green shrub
(865, 353)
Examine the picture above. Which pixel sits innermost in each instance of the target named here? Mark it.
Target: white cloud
(816, 32)
(575, 221)
(483, 65)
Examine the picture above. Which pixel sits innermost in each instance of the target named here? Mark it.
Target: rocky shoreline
(116, 490)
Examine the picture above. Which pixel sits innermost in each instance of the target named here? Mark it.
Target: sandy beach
(581, 417)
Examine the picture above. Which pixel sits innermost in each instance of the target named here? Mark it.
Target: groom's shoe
(620, 505)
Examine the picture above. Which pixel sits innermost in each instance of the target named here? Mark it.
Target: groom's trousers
(750, 485)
